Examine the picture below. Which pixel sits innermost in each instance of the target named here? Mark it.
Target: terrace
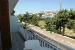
(26, 33)
(30, 34)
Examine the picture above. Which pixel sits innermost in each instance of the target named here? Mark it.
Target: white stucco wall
(14, 23)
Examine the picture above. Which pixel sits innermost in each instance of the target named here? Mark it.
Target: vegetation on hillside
(63, 19)
(12, 13)
(41, 22)
(29, 19)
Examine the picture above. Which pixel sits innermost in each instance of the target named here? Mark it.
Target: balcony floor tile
(17, 42)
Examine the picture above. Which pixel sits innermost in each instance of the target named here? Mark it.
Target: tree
(26, 17)
(62, 19)
(50, 24)
(34, 20)
(74, 26)
(71, 20)
(71, 14)
(70, 24)
(21, 18)
(29, 19)
(12, 14)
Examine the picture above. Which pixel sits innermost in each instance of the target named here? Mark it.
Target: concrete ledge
(22, 36)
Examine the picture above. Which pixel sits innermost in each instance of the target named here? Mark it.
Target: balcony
(26, 33)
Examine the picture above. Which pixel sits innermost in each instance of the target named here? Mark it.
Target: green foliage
(34, 20)
(50, 25)
(70, 24)
(64, 17)
(71, 20)
(12, 14)
(21, 18)
(74, 26)
(29, 18)
(41, 22)
(71, 14)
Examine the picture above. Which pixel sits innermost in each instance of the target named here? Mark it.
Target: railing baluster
(42, 42)
(24, 33)
(20, 29)
(27, 35)
(35, 36)
(53, 47)
(32, 36)
(57, 46)
(47, 44)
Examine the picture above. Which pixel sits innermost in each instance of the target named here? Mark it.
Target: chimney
(60, 5)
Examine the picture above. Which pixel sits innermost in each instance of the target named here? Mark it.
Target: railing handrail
(51, 39)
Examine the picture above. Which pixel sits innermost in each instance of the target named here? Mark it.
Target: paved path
(17, 42)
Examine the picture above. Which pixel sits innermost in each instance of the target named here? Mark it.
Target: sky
(42, 5)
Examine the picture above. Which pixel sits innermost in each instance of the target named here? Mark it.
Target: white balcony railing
(30, 34)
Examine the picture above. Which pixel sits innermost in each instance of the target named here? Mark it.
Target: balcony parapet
(34, 35)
